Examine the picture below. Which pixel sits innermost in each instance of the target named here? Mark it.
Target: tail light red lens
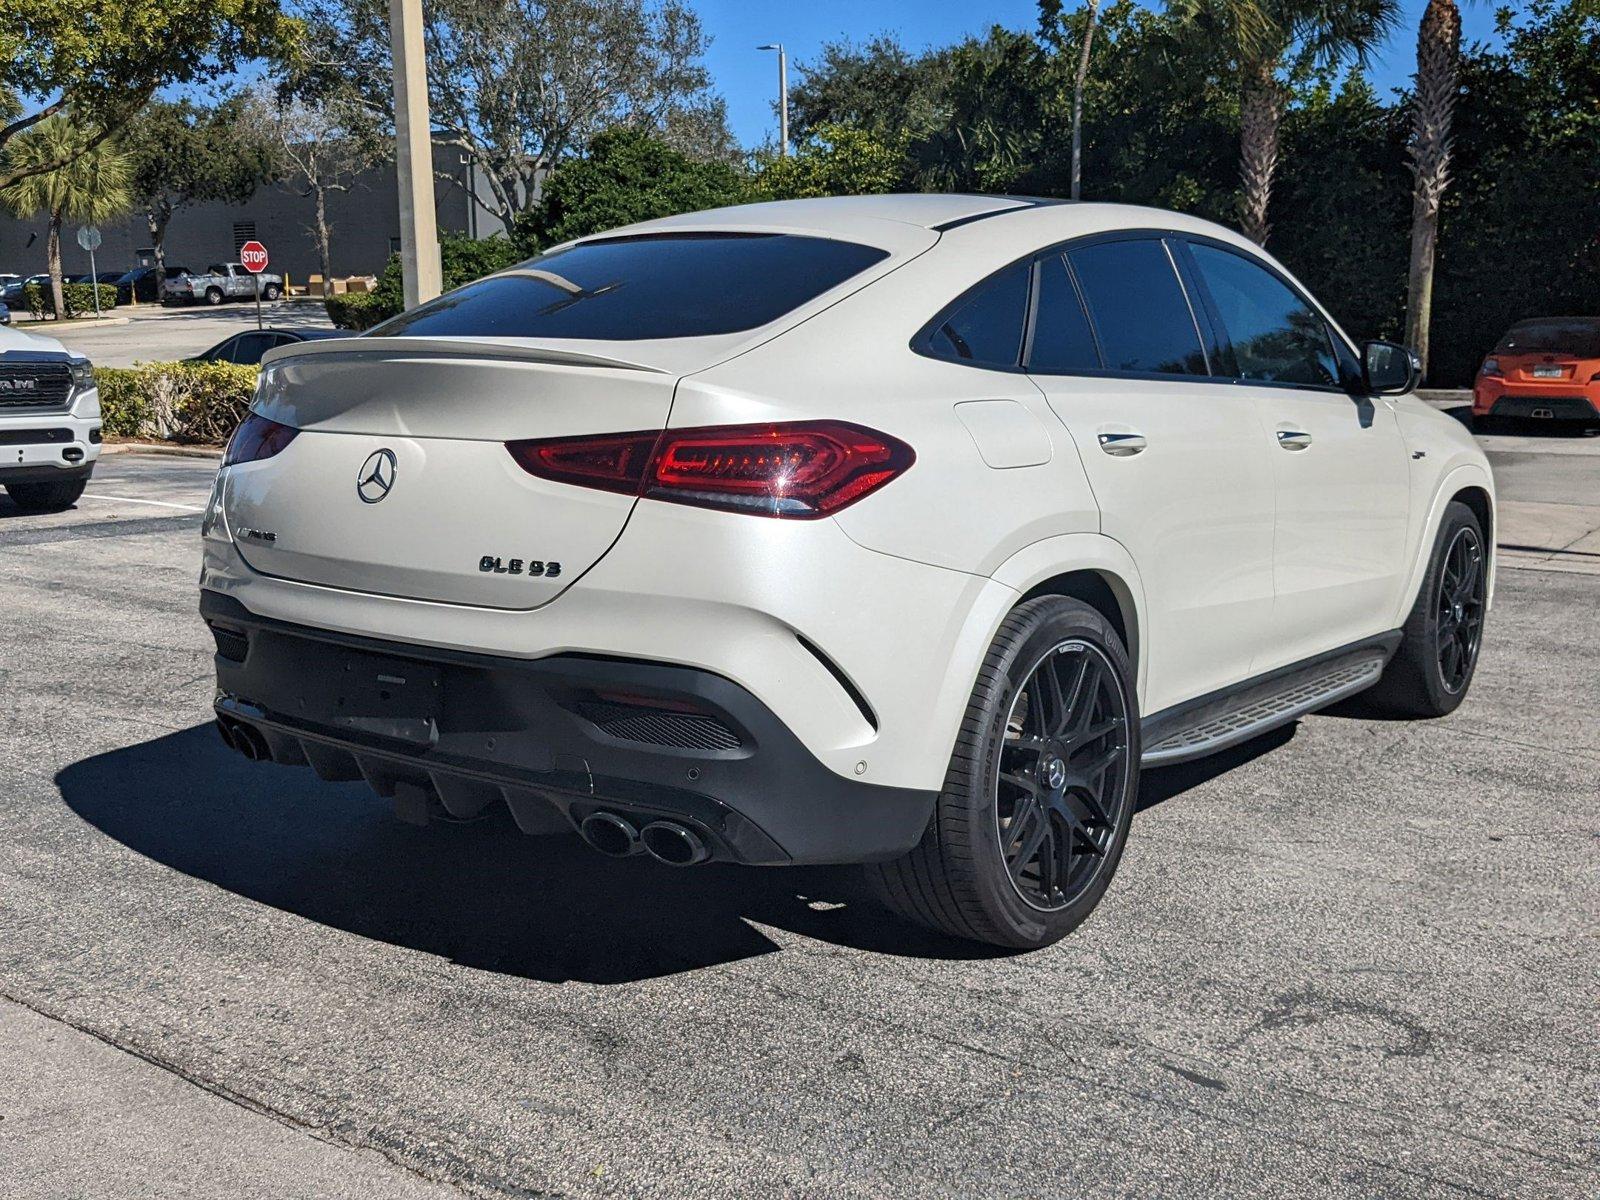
(800, 470)
(1491, 367)
(257, 438)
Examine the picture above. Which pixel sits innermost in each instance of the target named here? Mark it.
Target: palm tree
(1260, 36)
(1093, 7)
(90, 186)
(1438, 56)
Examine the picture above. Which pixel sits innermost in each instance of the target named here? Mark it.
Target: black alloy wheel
(1059, 783)
(1039, 794)
(1460, 603)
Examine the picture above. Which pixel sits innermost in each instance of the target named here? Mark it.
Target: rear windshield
(633, 288)
(1559, 335)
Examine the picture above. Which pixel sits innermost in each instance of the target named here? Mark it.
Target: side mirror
(1389, 370)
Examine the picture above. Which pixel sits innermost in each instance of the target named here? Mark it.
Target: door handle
(1293, 439)
(1122, 445)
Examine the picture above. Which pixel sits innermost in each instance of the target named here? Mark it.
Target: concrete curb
(78, 323)
(169, 451)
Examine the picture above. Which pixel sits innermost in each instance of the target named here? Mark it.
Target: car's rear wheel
(214, 295)
(1040, 791)
(1431, 672)
(46, 497)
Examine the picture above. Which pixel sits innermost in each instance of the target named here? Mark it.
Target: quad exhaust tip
(674, 844)
(665, 841)
(610, 834)
(247, 741)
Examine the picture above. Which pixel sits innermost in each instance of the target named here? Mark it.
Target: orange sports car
(1547, 368)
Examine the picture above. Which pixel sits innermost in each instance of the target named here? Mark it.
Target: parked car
(12, 295)
(141, 282)
(894, 530)
(221, 281)
(1546, 368)
(49, 422)
(248, 347)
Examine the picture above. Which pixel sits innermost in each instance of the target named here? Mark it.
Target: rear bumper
(1559, 402)
(555, 739)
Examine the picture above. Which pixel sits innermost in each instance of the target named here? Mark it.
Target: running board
(1237, 714)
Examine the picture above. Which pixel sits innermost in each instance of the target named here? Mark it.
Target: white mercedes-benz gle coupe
(894, 530)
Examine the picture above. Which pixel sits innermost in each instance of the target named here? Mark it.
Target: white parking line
(131, 500)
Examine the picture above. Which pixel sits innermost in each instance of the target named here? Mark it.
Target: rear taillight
(1491, 367)
(802, 469)
(257, 438)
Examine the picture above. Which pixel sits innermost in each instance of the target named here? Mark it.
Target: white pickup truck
(49, 422)
(219, 282)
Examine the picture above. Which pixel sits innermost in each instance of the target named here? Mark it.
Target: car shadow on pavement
(479, 893)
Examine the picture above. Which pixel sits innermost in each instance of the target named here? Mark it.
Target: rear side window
(1557, 335)
(1277, 337)
(1062, 339)
(634, 288)
(986, 331)
(1140, 313)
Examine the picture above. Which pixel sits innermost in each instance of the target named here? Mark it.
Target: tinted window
(249, 347)
(1062, 341)
(1570, 335)
(662, 286)
(1138, 308)
(987, 329)
(1277, 337)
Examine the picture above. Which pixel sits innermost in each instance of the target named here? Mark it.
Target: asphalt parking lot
(1353, 958)
(150, 333)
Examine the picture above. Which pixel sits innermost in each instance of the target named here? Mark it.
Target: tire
(214, 296)
(1420, 680)
(957, 880)
(270, 292)
(46, 497)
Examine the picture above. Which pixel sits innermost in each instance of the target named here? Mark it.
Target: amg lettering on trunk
(490, 563)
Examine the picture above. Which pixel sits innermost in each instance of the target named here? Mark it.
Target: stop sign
(253, 257)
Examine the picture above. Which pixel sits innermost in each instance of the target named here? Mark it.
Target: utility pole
(419, 233)
(783, 97)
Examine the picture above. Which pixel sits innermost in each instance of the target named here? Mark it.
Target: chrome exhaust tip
(610, 834)
(673, 844)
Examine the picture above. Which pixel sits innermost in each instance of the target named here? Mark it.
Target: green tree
(880, 86)
(1518, 236)
(182, 154)
(627, 176)
(102, 59)
(519, 86)
(91, 186)
(834, 160)
(1432, 106)
(1264, 38)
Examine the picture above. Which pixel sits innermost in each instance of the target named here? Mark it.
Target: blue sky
(748, 77)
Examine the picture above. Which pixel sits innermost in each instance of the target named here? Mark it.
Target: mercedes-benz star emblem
(376, 477)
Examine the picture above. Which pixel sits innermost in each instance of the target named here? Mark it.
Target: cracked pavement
(1351, 958)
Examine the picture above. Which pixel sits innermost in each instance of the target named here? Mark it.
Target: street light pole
(783, 97)
(419, 233)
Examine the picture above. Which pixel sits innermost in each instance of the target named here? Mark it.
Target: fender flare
(1069, 553)
(1457, 478)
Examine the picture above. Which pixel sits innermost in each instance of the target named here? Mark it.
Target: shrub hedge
(181, 401)
(78, 296)
(356, 310)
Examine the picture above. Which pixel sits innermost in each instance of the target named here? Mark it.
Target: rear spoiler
(511, 349)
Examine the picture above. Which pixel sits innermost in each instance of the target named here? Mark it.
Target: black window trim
(1221, 361)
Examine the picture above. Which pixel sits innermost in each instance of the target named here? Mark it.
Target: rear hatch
(1562, 371)
(399, 482)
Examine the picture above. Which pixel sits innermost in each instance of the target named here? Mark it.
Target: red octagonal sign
(253, 257)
